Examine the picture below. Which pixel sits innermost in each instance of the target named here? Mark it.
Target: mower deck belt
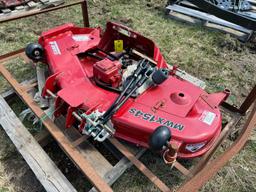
(226, 14)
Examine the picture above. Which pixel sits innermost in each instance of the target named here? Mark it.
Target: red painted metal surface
(107, 71)
(192, 115)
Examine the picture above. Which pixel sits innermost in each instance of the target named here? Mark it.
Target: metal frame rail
(83, 4)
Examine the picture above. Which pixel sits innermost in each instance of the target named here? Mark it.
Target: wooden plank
(113, 150)
(80, 140)
(8, 94)
(32, 4)
(87, 150)
(225, 29)
(6, 11)
(45, 170)
(110, 174)
(208, 20)
(20, 8)
(101, 165)
(154, 179)
(64, 143)
(184, 18)
(43, 137)
(118, 170)
(97, 160)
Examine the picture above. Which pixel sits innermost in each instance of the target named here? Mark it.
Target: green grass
(3, 189)
(218, 59)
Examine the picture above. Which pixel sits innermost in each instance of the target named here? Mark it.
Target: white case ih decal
(55, 48)
(152, 118)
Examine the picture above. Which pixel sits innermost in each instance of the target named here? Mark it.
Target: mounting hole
(181, 95)
(227, 91)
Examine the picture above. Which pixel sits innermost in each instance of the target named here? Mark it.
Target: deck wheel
(159, 138)
(34, 51)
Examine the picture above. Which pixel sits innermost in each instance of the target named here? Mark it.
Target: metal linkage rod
(119, 98)
(136, 81)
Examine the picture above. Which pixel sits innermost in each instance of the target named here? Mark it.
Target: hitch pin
(170, 155)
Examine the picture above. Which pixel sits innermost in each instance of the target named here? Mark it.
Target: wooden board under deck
(64, 143)
(110, 173)
(88, 151)
(45, 170)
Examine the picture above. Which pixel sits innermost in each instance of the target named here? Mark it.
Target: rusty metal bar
(230, 108)
(248, 101)
(29, 86)
(181, 168)
(10, 55)
(224, 133)
(37, 12)
(51, 94)
(65, 144)
(208, 171)
(245, 105)
(84, 7)
(154, 179)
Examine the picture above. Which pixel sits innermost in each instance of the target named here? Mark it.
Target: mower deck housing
(192, 114)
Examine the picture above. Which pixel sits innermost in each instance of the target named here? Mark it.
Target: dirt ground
(218, 59)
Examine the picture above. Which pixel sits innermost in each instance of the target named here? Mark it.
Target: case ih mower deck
(136, 98)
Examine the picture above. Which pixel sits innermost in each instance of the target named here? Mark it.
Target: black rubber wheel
(35, 52)
(159, 138)
(159, 76)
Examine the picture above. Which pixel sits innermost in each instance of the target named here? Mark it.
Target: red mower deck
(88, 74)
